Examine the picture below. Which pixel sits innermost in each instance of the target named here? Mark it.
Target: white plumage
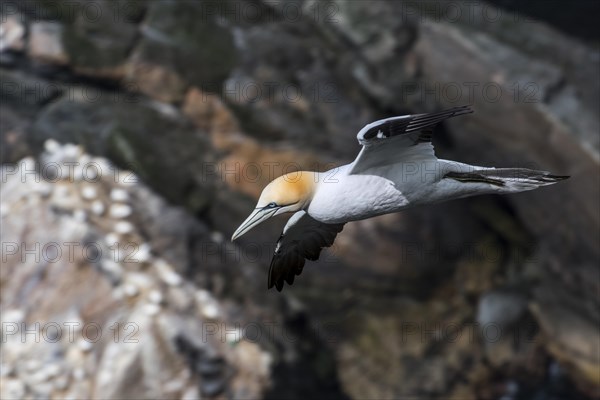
(395, 169)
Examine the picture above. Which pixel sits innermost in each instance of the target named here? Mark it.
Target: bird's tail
(508, 180)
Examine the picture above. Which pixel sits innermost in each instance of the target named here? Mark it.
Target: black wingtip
(278, 285)
(462, 110)
(558, 177)
(290, 278)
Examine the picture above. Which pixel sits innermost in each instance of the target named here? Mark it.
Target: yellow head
(288, 193)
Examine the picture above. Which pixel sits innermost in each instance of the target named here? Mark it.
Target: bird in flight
(395, 169)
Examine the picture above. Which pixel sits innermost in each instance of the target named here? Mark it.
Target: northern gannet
(395, 169)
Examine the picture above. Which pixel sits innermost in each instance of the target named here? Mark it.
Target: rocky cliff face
(207, 102)
(94, 301)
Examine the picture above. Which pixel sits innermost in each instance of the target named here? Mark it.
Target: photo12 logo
(83, 333)
(91, 170)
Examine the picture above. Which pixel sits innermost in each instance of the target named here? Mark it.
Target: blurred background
(137, 135)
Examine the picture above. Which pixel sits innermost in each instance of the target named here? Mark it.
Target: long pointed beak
(258, 215)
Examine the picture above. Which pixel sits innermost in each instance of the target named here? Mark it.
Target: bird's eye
(272, 205)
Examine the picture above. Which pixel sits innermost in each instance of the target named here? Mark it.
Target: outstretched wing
(303, 238)
(404, 138)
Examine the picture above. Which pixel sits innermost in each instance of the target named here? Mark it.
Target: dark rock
(21, 98)
(185, 44)
(27, 92)
(98, 41)
(212, 387)
(380, 60)
(150, 139)
(13, 135)
(286, 86)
